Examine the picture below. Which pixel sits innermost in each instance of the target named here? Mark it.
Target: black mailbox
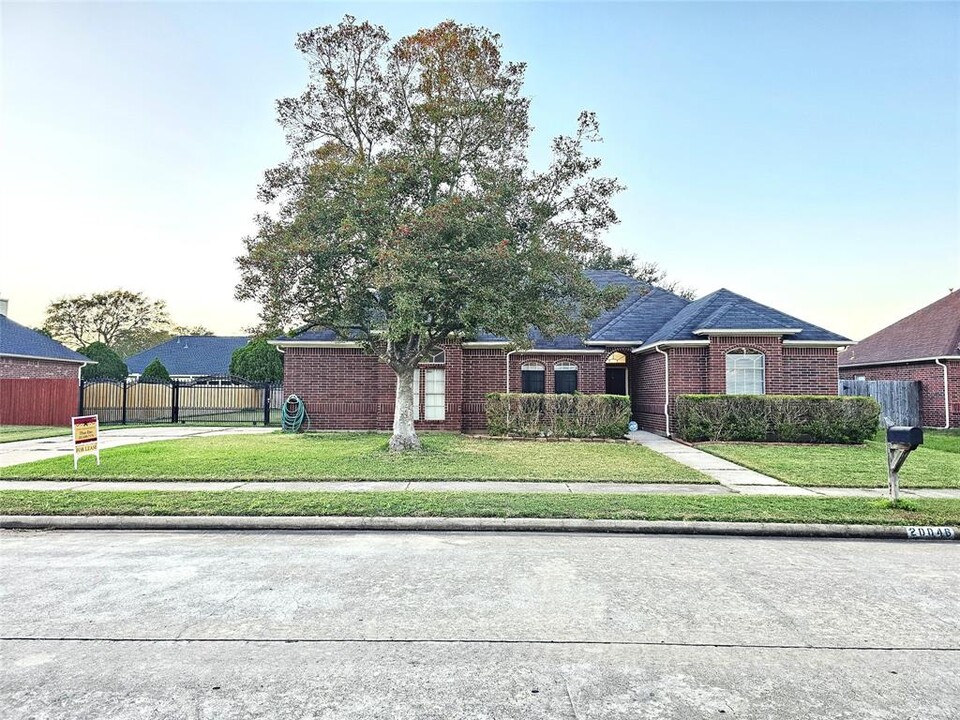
(910, 436)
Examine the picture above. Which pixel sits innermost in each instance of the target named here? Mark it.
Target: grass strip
(364, 456)
(499, 505)
(934, 466)
(15, 433)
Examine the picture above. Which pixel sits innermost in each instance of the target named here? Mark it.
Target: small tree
(257, 361)
(109, 365)
(155, 372)
(647, 271)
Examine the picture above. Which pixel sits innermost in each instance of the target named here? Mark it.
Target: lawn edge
(467, 524)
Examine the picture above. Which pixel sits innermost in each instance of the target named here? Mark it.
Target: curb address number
(926, 532)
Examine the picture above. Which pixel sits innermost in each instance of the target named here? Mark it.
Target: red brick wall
(37, 369)
(698, 369)
(810, 371)
(344, 389)
(930, 376)
(647, 391)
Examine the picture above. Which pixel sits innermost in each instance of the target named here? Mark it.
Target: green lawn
(363, 456)
(935, 464)
(12, 433)
(453, 504)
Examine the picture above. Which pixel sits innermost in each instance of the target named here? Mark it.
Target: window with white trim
(434, 395)
(532, 378)
(416, 394)
(745, 372)
(564, 377)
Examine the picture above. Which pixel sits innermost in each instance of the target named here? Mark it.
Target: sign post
(86, 437)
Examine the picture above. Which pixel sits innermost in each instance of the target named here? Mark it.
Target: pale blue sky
(803, 154)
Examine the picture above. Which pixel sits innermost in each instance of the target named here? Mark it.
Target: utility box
(911, 437)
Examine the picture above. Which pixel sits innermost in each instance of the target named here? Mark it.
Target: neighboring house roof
(725, 311)
(190, 355)
(931, 332)
(19, 341)
(649, 315)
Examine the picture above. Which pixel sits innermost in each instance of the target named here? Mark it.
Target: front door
(616, 380)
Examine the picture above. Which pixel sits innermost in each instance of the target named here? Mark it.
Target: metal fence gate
(214, 400)
(899, 399)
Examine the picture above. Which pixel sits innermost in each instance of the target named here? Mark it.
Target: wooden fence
(29, 401)
(899, 399)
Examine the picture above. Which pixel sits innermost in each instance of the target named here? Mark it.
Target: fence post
(266, 403)
(80, 399)
(123, 402)
(175, 401)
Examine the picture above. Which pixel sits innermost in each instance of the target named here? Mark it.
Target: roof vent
(3, 307)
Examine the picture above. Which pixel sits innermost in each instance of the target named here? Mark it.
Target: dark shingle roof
(15, 339)
(640, 317)
(194, 355)
(933, 331)
(726, 310)
(649, 314)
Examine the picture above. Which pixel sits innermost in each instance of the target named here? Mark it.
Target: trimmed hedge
(776, 418)
(540, 415)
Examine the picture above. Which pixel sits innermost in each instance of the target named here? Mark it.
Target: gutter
(946, 394)
(666, 386)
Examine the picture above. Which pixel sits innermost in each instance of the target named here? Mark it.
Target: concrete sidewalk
(23, 451)
(730, 475)
(493, 486)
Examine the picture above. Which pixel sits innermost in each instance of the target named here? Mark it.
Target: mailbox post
(901, 441)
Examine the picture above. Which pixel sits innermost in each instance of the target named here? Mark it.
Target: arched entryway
(616, 371)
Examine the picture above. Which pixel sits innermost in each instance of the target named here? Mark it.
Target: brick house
(653, 346)
(925, 347)
(39, 377)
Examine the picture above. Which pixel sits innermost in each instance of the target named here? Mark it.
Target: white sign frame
(86, 445)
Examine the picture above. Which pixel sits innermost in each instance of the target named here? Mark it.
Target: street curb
(441, 524)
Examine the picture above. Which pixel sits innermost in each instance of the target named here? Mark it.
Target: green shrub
(155, 372)
(257, 361)
(539, 415)
(776, 418)
(109, 365)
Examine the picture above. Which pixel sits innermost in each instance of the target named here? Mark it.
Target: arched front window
(745, 372)
(532, 377)
(564, 377)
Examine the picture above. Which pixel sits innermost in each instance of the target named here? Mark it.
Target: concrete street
(419, 625)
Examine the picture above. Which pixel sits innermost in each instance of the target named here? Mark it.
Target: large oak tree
(408, 213)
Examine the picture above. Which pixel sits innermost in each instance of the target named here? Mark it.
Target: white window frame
(416, 394)
(435, 394)
(748, 373)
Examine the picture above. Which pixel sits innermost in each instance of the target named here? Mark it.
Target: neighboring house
(39, 377)
(653, 346)
(924, 346)
(189, 357)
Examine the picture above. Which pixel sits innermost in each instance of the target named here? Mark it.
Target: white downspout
(946, 394)
(508, 386)
(666, 387)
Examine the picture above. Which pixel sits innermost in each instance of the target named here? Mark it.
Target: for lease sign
(86, 437)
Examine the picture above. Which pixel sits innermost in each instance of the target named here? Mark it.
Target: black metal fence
(214, 400)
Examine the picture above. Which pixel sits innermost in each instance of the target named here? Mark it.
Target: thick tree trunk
(404, 435)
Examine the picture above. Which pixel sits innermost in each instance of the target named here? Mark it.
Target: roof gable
(15, 339)
(190, 355)
(932, 331)
(725, 310)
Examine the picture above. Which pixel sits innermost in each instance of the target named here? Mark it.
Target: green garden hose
(290, 421)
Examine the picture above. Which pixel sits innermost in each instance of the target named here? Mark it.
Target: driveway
(420, 625)
(14, 453)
